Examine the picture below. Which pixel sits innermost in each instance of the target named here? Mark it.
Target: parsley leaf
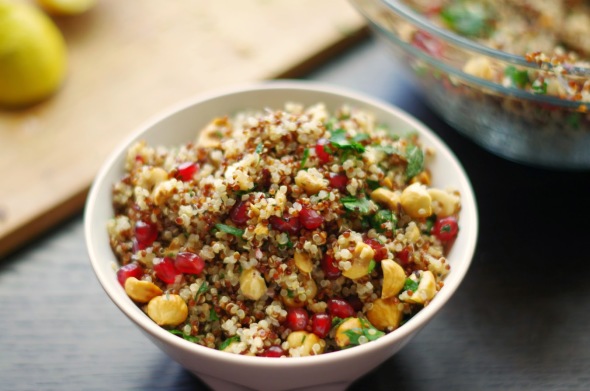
(304, 159)
(410, 285)
(415, 158)
(359, 205)
(259, 148)
(189, 338)
(340, 140)
(469, 19)
(202, 289)
(230, 230)
(366, 330)
(387, 149)
(213, 315)
(518, 78)
(228, 342)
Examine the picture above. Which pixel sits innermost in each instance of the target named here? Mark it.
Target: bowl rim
(469, 45)
(417, 322)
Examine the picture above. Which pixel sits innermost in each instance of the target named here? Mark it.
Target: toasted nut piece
(307, 344)
(151, 176)
(252, 284)
(163, 190)
(385, 314)
(416, 201)
(444, 203)
(141, 291)
(412, 232)
(480, 67)
(261, 230)
(361, 259)
(387, 197)
(311, 181)
(423, 177)
(167, 310)
(176, 244)
(387, 182)
(303, 262)
(426, 289)
(208, 137)
(311, 289)
(340, 336)
(394, 278)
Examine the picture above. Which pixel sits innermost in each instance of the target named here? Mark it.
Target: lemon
(66, 7)
(32, 55)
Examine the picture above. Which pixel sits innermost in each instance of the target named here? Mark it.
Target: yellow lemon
(32, 55)
(66, 7)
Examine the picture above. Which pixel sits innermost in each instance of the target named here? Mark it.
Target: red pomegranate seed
(340, 308)
(145, 234)
(321, 324)
(297, 318)
(310, 218)
(239, 213)
(129, 270)
(338, 181)
(165, 269)
(273, 351)
(404, 255)
(330, 268)
(320, 150)
(427, 43)
(186, 171)
(445, 229)
(380, 250)
(289, 224)
(189, 263)
(355, 302)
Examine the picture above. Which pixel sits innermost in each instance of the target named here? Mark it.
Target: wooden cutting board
(129, 60)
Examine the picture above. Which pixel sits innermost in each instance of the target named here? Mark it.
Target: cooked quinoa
(288, 232)
(551, 33)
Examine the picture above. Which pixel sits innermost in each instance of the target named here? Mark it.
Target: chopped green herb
(366, 330)
(361, 137)
(213, 315)
(410, 285)
(340, 140)
(290, 293)
(202, 289)
(388, 149)
(359, 205)
(415, 158)
(372, 265)
(230, 230)
(539, 87)
(189, 338)
(429, 224)
(518, 78)
(305, 157)
(228, 342)
(259, 148)
(381, 217)
(469, 19)
(372, 184)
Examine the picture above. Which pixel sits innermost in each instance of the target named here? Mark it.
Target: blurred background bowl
(539, 130)
(225, 371)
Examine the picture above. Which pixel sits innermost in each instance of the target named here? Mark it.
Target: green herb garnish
(304, 159)
(202, 289)
(518, 78)
(359, 205)
(228, 342)
(340, 140)
(415, 159)
(410, 285)
(539, 87)
(213, 315)
(468, 18)
(189, 338)
(367, 330)
(387, 149)
(381, 217)
(372, 184)
(259, 148)
(230, 230)
(372, 265)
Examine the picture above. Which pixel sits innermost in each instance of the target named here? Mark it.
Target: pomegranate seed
(165, 269)
(340, 308)
(186, 171)
(427, 43)
(273, 351)
(239, 213)
(129, 270)
(145, 234)
(404, 255)
(445, 229)
(297, 318)
(321, 324)
(189, 263)
(355, 302)
(380, 250)
(320, 150)
(331, 270)
(338, 181)
(310, 219)
(289, 224)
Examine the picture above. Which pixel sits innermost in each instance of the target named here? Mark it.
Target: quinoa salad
(283, 232)
(550, 33)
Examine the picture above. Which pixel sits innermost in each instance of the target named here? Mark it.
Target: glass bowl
(530, 128)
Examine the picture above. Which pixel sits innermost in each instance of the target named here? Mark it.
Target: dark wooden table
(520, 321)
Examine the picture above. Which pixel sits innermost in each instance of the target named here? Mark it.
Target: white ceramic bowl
(225, 371)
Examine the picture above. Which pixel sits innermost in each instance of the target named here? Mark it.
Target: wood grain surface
(519, 321)
(128, 61)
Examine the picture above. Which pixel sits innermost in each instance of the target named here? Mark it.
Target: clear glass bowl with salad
(484, 75)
